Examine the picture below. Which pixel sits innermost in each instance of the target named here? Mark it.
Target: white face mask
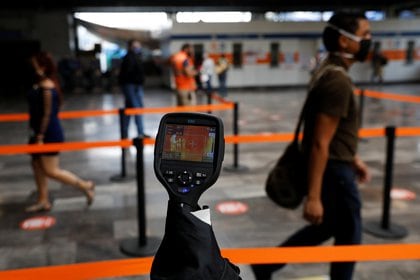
(364, 44)
(345, 33)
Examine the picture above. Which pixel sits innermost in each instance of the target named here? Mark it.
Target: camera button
(185, 177)
(169, 172)
(183, 190)
(200, 175)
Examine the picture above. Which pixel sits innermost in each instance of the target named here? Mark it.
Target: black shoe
(261, 272)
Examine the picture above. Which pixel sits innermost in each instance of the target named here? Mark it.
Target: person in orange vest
(184, 73)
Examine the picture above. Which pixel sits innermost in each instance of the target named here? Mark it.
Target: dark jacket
(131, 71)
(189, 250)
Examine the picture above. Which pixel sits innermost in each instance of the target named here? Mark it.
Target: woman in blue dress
(44, 101)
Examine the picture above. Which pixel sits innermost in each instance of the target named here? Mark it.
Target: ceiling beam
(209, 5)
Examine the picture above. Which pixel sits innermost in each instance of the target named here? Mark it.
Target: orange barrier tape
(324, 254)
(220, 99)
(285, 137)
(88, 113)
(259, 138)
(95, 270)
(229, 139)
(142, 266)
(407, 131)
(390, 96)
(195, 108)
(149, 141)
(38, 148)
(399, 131)
(62, 115)
(14, 117)
(371, 132)
(134, 111)
(357, 91)
(212, 107)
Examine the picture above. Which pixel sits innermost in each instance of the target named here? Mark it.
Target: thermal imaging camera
(189, 151)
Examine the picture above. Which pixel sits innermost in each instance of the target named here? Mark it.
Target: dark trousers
(342, 220)
(222, 84)
(133, 95)
(207, 85)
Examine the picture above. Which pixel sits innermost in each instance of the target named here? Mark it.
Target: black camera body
(189, 152)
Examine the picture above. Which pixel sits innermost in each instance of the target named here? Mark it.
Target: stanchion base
(394, 231)
(120, 178)
(131, 247)
(233, 168)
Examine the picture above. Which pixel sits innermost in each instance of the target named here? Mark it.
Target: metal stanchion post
(236, 166)
(141, 246)
(384, 228)
(124, 135)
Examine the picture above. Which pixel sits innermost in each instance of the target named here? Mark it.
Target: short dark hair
(348, 21)
(130, 42)
(185, 46)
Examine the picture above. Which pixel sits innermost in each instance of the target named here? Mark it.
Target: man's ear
(343, 42)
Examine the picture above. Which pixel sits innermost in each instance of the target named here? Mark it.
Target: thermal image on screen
(189, 143)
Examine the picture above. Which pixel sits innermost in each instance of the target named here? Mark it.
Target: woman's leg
(41, 182)
(50, 165)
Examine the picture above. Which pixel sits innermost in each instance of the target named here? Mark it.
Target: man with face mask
(332, 206)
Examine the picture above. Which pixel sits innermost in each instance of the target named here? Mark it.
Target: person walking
(44, 101)
(184, 73)
(222, 67)
(332, 206)
(378, 63)
(131, 79)
(207, 72)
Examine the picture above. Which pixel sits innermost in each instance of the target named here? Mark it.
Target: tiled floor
(85, 235)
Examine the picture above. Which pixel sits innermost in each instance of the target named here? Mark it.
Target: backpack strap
(314, 81)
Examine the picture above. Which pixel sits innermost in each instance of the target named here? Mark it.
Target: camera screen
(189, 143)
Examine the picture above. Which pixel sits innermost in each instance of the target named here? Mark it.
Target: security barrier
(122, 112)
(246, 255)
(383, 229)
(68, 146)
(62, 115)
(388, 96)
(362, 93)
